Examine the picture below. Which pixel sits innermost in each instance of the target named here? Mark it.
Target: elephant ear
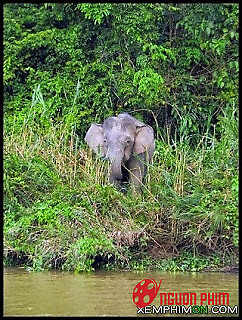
(144, 140)
(94, 138)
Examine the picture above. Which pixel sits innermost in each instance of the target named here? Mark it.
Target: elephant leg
(136, 172)
(116, 183)
(119, 184)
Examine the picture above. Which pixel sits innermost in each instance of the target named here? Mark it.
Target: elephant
(129, 146)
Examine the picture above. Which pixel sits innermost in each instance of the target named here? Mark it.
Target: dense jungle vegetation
(173, 66)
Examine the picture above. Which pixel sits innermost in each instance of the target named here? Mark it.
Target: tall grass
(61, 211)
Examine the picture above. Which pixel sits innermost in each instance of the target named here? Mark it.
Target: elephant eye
(105, 140)
(128, 141)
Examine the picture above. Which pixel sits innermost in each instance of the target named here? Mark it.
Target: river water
(55, 293)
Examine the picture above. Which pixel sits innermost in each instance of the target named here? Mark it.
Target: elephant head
(122, 140)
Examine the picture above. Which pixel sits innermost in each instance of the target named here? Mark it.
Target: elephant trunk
(116, 172)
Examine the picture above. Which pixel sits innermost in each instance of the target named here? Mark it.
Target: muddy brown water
(54, 293)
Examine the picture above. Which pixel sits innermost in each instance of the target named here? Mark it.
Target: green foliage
(174, 67)
(83, 252)
(95, 12)
(124, 54)
(189, 262)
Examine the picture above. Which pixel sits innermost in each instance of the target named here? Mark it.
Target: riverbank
(61, 212)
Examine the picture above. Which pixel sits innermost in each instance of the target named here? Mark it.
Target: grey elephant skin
(129, 146)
